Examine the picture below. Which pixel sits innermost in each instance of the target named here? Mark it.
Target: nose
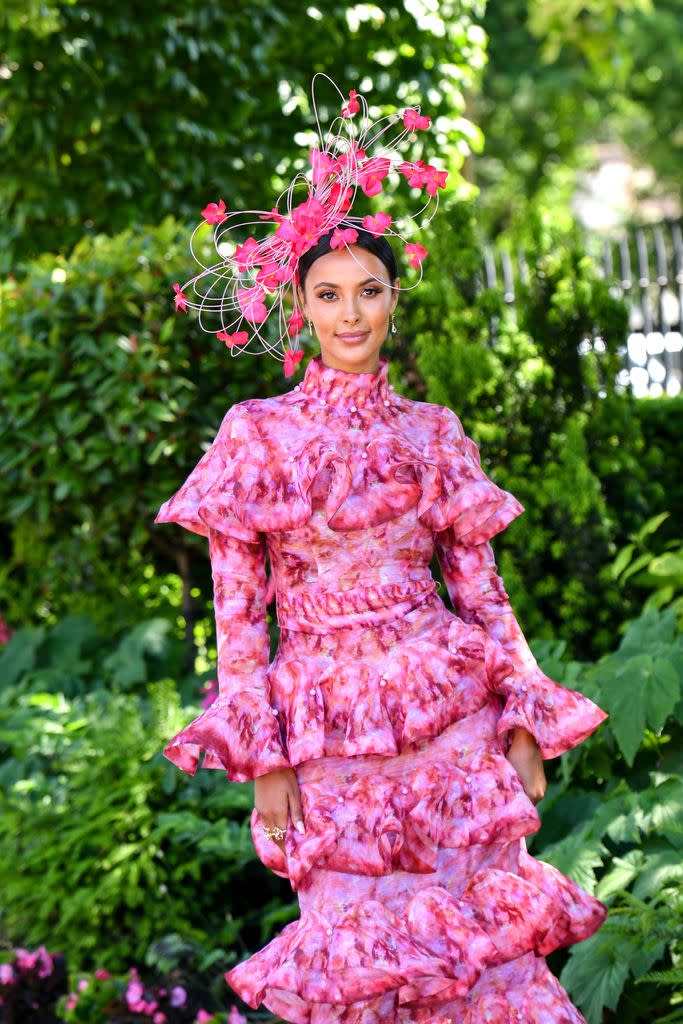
(350, 310)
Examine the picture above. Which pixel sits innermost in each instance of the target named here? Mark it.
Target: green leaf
(577, 857)
(622, 560)
(663, 692)
(643, 959)
(662, 865)
(651, 525)
(595, 974)
(650, 629)
(19, 655)
(643, 688)
(625, 700)
(622, 872)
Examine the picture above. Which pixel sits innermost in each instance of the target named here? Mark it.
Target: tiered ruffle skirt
(419, 901)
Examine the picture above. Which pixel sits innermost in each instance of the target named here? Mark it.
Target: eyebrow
(329, 284)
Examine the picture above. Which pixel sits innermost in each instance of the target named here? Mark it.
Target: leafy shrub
(112, 398)
(130, 999)
(540, 396)
(612, 818)
(34, 989)
(106, 845)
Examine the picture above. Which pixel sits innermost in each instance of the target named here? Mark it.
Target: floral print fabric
(419, 901)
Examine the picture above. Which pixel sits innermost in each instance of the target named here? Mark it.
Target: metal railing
(643, 266)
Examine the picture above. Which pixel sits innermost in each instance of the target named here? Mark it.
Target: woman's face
(349, 307)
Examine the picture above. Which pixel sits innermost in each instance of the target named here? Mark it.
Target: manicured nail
(300, 826)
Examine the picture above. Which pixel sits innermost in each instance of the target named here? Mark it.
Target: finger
(295, 809)
(275, 819)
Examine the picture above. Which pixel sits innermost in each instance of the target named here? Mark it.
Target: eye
(370, 288)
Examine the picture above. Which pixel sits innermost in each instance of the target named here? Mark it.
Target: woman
(396, 747)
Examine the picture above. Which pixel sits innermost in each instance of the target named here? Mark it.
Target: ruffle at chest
(347, 447)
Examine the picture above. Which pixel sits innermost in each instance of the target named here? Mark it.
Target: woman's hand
(525, 757)
(275, 795)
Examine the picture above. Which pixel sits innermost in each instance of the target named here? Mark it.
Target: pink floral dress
(418, 899)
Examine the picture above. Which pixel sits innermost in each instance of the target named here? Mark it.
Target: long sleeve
(557, 717)
(240, 731)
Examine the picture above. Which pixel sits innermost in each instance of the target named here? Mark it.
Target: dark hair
(378, 246)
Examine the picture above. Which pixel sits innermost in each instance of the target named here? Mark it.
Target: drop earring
(393, 325)
(310, 327)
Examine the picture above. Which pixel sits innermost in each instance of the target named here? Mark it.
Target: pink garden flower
(178, 996)
(134, 993)
(27, 961)
(7, 974)
(5, 631)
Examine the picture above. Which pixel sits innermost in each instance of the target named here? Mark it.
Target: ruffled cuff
(558, 717)
(240, 734)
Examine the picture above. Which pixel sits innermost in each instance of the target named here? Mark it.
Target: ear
(396, 292)
(302, 301)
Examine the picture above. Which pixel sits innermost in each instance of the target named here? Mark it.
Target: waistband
(317, 611)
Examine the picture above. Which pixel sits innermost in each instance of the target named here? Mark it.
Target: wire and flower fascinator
(248, 298)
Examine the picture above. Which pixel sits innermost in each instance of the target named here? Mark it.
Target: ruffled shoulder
(201, 502)
(267, 470)
(470, 503)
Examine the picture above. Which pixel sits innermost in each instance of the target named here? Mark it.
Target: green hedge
(106, 845)
(552, 424)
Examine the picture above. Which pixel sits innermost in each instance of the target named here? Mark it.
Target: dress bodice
(348, 481)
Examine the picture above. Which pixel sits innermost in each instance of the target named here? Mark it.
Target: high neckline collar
(340, 387)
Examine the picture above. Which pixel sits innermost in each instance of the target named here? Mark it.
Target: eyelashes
(373, 291)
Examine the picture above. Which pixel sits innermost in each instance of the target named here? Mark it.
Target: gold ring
(274, 833)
